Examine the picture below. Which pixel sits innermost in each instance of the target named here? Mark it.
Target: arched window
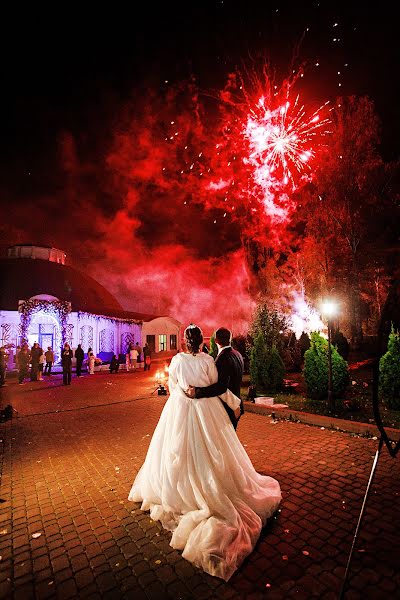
(86, 337)
(126, 339)
(106, 340)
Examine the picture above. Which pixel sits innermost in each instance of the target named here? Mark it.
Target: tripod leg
(360, 518)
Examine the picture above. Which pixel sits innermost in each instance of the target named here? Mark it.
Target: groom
(230, 367)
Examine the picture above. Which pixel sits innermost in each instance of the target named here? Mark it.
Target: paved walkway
(68, 531)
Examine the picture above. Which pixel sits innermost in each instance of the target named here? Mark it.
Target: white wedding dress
(197, 478)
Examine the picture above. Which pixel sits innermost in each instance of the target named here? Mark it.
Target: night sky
(70, 78)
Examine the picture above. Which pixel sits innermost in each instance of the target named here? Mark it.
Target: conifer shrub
(340, 373)
(316, 370)
(267, 369)
(266, 342)
(275, 370)
(273, 326)
(389, 372)
(258, 361)
(213, 351)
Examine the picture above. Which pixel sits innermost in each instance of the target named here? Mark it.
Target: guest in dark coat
(23, 359)
(139, 350)
(147, 357)
(79, 355)
(49, 361)
(36, 352)
(114, 364)
(66, 361)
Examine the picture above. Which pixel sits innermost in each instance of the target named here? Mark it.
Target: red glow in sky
(164, 176)
(193, 191)
(186, 185)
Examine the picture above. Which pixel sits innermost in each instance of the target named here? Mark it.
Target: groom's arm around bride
(230, 367)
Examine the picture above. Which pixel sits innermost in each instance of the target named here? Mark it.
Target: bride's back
(193, 369)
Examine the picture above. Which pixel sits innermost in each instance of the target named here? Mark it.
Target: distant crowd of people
(136, 354)
(35, 363)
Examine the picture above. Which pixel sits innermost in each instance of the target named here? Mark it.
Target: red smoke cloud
(171, 278)
(161, 252)
(160, 217)
(188, 201)
(167, 280)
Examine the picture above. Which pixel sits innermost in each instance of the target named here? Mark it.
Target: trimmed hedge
(316, 369)
(389, 372)
(266, 366)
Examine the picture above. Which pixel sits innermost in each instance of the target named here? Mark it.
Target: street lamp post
(331, 403)
(329, 308)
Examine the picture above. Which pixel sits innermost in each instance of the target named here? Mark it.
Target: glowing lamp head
(329, 308)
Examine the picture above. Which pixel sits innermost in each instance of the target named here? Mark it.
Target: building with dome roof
(45, 300)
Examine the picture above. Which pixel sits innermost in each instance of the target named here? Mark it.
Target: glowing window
(162, 342)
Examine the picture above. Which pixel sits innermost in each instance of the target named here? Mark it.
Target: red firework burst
(251, 158)
(281, 141)
(281, 144)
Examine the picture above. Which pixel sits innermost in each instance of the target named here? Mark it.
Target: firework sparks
(264, 149)
(281, 147)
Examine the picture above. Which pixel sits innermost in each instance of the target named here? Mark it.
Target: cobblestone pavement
(67, 529)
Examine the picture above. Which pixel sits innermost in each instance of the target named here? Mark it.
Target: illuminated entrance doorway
(46, 340)
(45, 329)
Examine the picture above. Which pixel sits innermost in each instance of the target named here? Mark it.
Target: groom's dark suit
(230, 367)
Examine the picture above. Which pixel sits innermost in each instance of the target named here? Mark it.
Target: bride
(197, 478)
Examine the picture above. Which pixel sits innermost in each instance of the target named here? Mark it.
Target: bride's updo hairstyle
(193, 338)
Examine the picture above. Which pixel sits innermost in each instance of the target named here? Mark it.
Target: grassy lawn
(358, 396)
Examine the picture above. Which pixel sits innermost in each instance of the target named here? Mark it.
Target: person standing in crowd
(128, 357)
(79, 355)
(129, 365)
(66, 361)
(36, 352)
(49, 361)
(3, 365)
(114, 364)
(139, 350)
(42, 360)
(133, 356)
(23, 360)
(147, 357)
(91, 358)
